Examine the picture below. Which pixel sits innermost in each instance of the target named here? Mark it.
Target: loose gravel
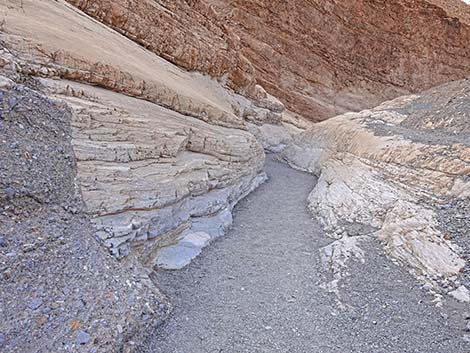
(259, 289)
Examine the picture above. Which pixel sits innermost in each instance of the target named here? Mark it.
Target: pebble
(35, 303)
(2, 339)
(12, 101)
(51, 219)
(10, 193)
(3, 242)
(83, 337)
(14, 144)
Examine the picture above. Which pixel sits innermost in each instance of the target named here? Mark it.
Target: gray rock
(10, 192)
(83, 337)
(3, 242)
(35, 303)
(176, 257)
(12, 102)
(2, 339)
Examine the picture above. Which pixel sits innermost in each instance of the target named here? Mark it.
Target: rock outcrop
(388, 171)
(59, 291)
(152, 165)
(153, 156)
(188, 34)
(159, 113)
(320, 58)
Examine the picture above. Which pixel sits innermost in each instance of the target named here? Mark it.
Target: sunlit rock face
(320, 58)
(387, 172)
(161, 152)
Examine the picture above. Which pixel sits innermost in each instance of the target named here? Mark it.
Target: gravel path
(258, 290)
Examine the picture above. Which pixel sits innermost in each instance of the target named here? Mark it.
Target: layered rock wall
(384, 175)
(161, 151)
(189, 34)
(320, 58)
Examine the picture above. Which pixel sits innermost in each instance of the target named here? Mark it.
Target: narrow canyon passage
(258, 289)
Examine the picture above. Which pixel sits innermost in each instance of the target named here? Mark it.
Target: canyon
(130, 131)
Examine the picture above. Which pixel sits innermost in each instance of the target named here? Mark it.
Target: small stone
(35, 303)
(83, 337)
(12, 101)
(3, 242)
(28, 247)
(2, 339)
(461, 294)
(41, 320)
(467, 329)
(10, 193)
(11, 255)
(51, 219)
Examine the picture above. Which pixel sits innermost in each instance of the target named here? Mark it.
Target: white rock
(461, 294)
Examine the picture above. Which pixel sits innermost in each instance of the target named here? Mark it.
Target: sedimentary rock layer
(145, 170)
(176, 158)
(381, 178)
(189, 34)
(59, 290)
(320, 58)
(76, 48)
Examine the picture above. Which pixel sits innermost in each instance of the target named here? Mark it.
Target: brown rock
(320, 58)
(189, 34)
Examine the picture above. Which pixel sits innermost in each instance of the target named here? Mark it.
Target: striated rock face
(162, 153)
(188, 33)
(146, 170)
(320, 58)
(63, 50)
(59, 291)
(155, 156)
(381, 178)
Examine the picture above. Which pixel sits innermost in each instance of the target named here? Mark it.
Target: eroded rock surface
(59, 291)
(155, 156)
(380, 178)
(320, 58)
(145, 170)
(173, 156)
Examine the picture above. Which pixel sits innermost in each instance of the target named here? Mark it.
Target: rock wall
(386, 176)
(161, 151)
(320, 58)
(59, 290)
(106, 142)
(145, 170)
(189, 34)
